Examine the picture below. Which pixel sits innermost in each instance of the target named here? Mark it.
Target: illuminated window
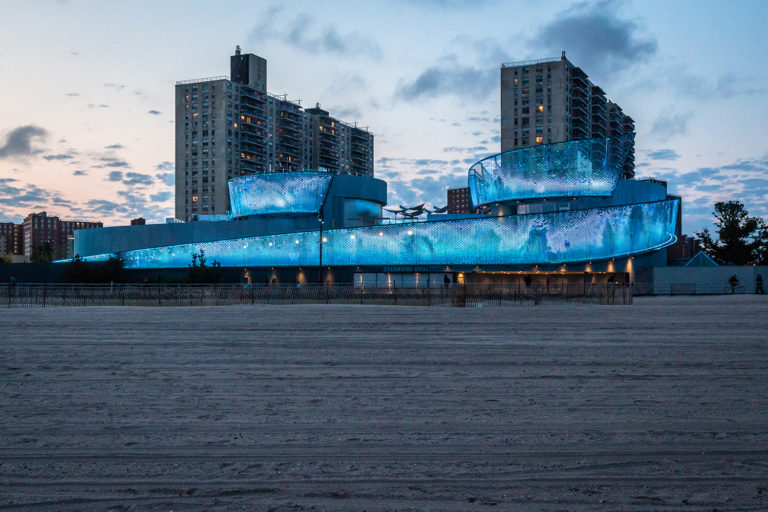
(539, 139)
(541, 108)
(194, 199)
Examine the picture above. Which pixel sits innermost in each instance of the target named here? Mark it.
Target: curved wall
(565, 169)
(278, 193)
(554, 238)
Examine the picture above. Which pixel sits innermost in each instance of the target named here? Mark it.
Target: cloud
(114, 146)
(114, 85)
(671, 123)
(725, 86)
(348, 112)
(20, 141)
(600, 41)
(72, 94)
(60, 156)
(136, 178)
(165, 166)
(80, 173)
(446, 4)
(745, 180)
(663, 154)
(154, 112)
(460, 149)
(168, 178)
(161, 197)
(449, 79)
(301, 32)
(115, 176)
(100, 105)
(25, 196)
(110, 161)
(104, 207)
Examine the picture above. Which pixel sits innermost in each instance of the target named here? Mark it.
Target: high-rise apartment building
(551, 100)
(228, 127)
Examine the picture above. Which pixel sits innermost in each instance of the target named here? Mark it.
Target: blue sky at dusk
(86, 116)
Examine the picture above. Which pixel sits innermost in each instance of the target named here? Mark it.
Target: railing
(199, 80)
(458, 295)
(529, 62)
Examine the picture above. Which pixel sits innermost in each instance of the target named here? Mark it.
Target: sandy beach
(656, 406)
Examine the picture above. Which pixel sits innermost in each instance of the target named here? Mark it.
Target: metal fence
(458, 295)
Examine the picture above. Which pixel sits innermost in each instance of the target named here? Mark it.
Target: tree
(77, 271)
(42, 253)
(110, 271)
(200, 272)
(741, 239)
(80, 271)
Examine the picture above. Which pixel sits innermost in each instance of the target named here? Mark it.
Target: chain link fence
(458, 295)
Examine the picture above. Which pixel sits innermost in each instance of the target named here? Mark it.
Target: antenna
(237, 50)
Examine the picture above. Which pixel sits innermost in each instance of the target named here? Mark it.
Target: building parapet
(529, 62)
(199, 80)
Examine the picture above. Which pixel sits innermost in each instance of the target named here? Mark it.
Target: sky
(87, 89)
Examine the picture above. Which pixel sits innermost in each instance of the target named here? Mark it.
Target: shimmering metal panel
(281, 192)
(566, 169)
(360, 212)
(562, 237)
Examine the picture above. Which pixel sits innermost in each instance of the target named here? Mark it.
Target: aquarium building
(558, 211)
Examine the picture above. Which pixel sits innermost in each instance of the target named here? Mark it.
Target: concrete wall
(706, 280)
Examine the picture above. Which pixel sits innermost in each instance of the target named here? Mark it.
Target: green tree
(201, 272)
(741, 239)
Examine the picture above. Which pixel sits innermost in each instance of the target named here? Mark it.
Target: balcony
(249, 94)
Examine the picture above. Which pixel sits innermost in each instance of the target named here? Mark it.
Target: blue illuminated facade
(278, 193)
(562, 237)
(565, 169)
(559, 204)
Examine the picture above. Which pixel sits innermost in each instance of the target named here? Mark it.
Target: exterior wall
(706, 280)
(13, 238)
(203, 128)
(459, 201)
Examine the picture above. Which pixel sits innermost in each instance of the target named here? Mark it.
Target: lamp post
(320, 241)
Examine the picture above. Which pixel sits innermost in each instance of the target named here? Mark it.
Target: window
(539, 140)
(194, 199)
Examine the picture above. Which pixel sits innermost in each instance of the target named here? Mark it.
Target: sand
(656, 406)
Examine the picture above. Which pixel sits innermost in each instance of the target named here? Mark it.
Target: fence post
(43, 294)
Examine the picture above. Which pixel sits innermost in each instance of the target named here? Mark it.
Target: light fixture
(297, 241)
(410, 233)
